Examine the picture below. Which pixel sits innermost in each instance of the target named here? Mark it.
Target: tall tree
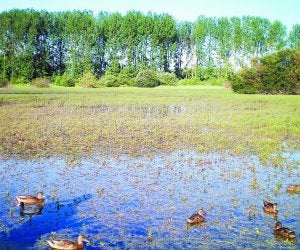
(294, 37)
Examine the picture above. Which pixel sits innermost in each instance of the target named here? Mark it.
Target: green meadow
(38, 122)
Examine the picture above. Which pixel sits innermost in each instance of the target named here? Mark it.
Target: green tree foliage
(274, 73)
(184, 52)
(36, 44)
(3, 81)
(294, 37)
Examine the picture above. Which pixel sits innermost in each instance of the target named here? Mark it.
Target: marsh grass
(76, 121)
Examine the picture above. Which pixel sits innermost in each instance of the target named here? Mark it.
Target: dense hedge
(277, 73)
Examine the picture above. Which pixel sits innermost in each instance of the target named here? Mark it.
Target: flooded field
(127, 202)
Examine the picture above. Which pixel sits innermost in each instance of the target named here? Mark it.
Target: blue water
(119, 201)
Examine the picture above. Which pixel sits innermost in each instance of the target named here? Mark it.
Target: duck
(284, 232)
(68, 244)
(197, 218)
(30, 200)
(271, 208)
(293, 188)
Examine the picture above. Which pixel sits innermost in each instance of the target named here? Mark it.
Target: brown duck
(295, 189)
(271, 208)
(68, 244)
(197, 218)
(283, 232)
(30, 200)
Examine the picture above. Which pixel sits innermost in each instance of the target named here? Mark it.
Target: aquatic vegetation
(79, 121)
(127, 201)
(126, 166)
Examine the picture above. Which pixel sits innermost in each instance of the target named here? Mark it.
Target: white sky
(286, 11)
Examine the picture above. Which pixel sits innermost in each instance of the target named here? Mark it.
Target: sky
(286, 11)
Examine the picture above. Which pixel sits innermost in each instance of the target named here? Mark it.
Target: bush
(281, 72)
(88, 80)
(126, 77)
(3, 82)
(193, 81)
(166, 78)
(20, 80)
(206, 73)
(109, 81)
(64, 80)
(247, 81)
(147, 78)
(40, 82)
(277, 73)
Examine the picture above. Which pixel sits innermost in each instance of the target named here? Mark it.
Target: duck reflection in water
(30, 210)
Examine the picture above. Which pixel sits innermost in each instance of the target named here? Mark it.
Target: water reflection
(30, 211)
(40, 220)
(143, 202)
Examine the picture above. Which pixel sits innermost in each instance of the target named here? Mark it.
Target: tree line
(41, 44)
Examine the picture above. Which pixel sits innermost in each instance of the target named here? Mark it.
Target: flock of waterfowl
(197, 218)
(268, 207)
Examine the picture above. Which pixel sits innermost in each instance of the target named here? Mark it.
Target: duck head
(40, 196)
(202, 212)
(278, 225)
(81, 238)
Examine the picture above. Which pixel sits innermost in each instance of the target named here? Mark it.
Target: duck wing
(63, 244)
(288, 232)
(25, 197)
(195, 218)
(268, 204)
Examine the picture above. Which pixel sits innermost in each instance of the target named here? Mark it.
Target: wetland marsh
(127, 166)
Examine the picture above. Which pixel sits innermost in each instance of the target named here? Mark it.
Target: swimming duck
(68, 244)
(198, 217)
(284, 232)
(30, 200)
(295, 188)
(271, 208)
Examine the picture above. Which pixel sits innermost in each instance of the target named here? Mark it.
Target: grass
(75, 121)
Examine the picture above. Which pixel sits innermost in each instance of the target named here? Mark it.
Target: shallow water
(121, 201)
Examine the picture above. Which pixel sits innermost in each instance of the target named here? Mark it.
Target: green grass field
(76, 121)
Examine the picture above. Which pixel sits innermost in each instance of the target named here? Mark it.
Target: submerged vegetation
(57, 120)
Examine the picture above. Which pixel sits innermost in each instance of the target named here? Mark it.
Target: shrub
(3, 82)
(64, 80)
(281, 72)
(19, 80)
(247, 81)
(147, 78)
(40, 82)
(109, 81)
(166, 78)
(88, 80)
(126, 77)
(206, 73)
(192, 81)
(275, 73)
